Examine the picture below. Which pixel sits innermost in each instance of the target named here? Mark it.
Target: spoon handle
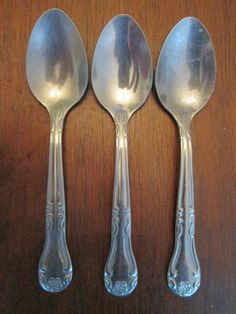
(184, 269)
(121, 273)
(55, 268)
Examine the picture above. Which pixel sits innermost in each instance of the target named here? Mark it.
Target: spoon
(121, 79)
(185, 79)
(57, 74)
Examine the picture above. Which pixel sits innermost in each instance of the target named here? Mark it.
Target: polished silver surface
(185, 79)
(121, 79)
(57, 73)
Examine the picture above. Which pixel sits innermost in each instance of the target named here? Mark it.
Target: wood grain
(89, 169)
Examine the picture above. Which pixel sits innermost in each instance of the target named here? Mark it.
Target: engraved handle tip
(183, 288)
(120, 288)
(121, 273)
(55, 276)
(55, 284)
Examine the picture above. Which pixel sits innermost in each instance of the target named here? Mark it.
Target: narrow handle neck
(121, 192)
(185, 192)
(55, 188)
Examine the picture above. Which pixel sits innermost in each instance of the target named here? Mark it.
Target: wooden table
(89, 169)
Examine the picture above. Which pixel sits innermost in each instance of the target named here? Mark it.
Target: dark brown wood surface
(89, 170)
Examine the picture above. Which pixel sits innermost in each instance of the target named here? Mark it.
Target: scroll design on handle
(121, 275)
(184, 269)
(55, 268)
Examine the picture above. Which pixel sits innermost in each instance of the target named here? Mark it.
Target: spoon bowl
(57, 74)
(121, 68)
(56, 62)
(185, 75)
(121, 79)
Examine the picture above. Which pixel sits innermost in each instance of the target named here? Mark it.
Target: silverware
(57, 73)
(121, 79)
(185, 79)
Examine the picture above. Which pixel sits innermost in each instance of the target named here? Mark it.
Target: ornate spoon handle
(120, 273)
(184, 270)
(55, 268)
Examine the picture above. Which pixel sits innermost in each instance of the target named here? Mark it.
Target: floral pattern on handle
(55, 268)
(121, 275)
(184, 269)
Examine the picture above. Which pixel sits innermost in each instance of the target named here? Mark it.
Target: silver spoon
(185, 79)
(57, 73)
(121, 79)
